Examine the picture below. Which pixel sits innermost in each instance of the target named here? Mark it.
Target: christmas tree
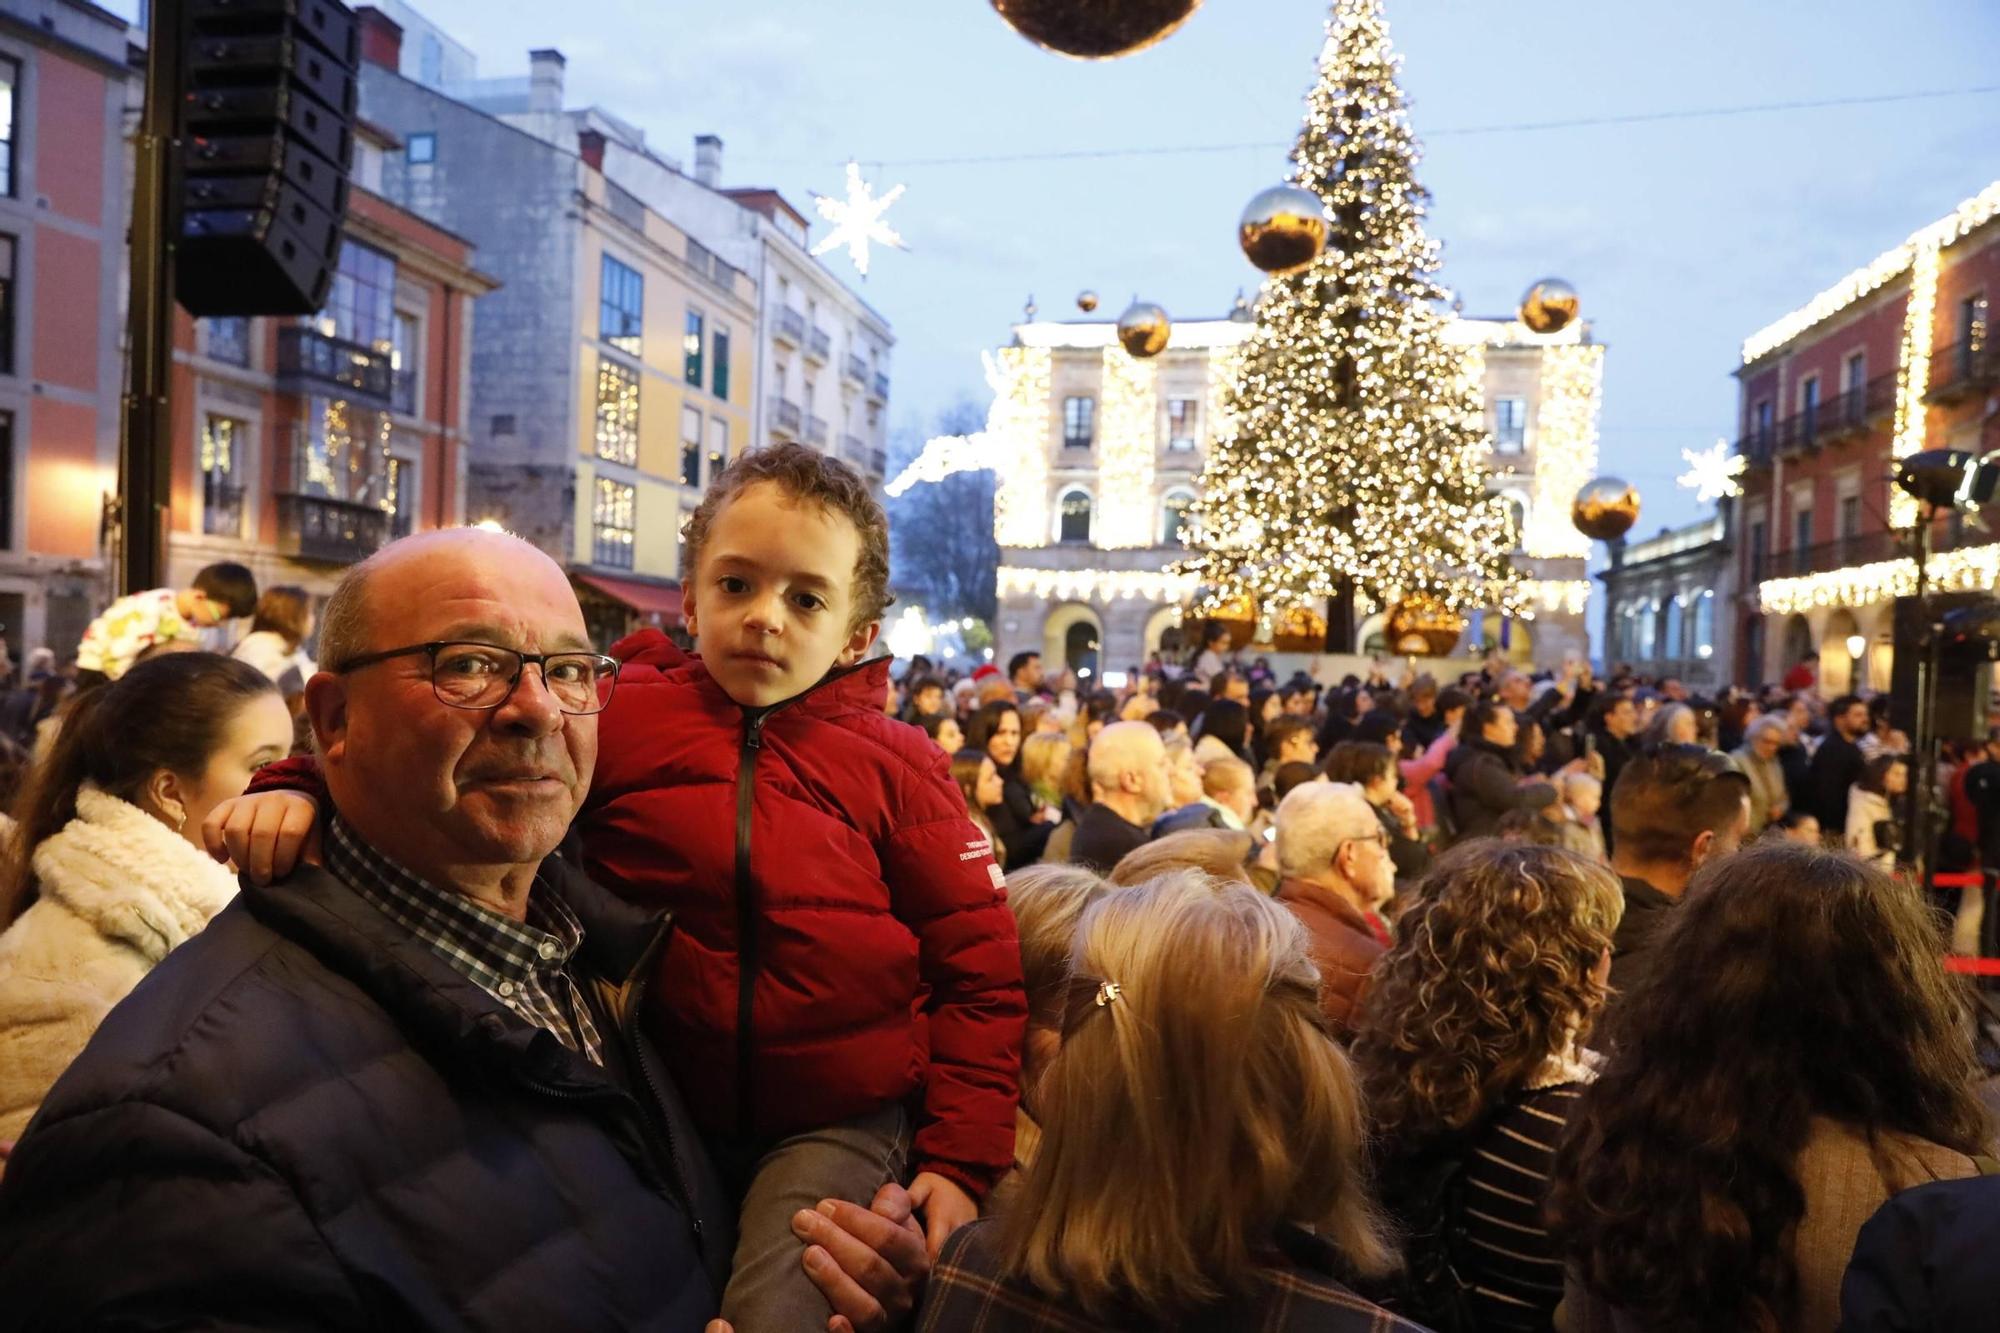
(1351, 454)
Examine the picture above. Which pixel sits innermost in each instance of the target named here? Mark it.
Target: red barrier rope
(1972, 967)
(1970, 879)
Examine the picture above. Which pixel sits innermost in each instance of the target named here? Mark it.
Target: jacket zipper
(747, 961)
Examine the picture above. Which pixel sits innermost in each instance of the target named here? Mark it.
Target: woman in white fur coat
(106, 872)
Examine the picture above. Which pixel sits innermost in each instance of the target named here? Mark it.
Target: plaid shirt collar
(523, 964)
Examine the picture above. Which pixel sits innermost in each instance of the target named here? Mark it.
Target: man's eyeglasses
(483, 677)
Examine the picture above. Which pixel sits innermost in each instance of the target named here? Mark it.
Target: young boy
(142, 620)
(841, 941)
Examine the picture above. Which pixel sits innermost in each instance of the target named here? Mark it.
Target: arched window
(1649, 626)
(1173, 512)
(1080, 650)
(1517, 513)
(1073, 516)
(1704, 625)
(1670, 644)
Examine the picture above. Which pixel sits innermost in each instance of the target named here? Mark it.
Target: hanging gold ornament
(1300, 630)
(1605, 509)
(1239, 617)
(1086, 301)
(1423, 627)
(1144, 329)
(1549, 306)
(1283, 228)
(1095, 29)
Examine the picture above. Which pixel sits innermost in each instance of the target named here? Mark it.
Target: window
(1809, 398)
(1173, 513)
(1802, 528)
(691, 347)
(421, 149)
(10, 85)
(405, 362)
(1857, 371)
(1510, 425)
(719, 376)
(614, 520)
(690, 446)
(401, 497)
(617, 412)
(1704, 625)
(361, 306)
(1073, 513)
(6, 305)
(222, 441)
(621, 301)
(226, 339)
(1670, 642)
(1763, 419)
(1971, 319)
(1759, 545)
(718, 445)
(340, 452)
(1181, 423)
(503, 423)
(1079, 422)
(1850, 516)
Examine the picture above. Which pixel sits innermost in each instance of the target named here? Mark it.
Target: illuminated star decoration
(857, 220)
(1712, 474)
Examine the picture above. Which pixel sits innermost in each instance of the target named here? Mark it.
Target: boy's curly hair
(810, 477)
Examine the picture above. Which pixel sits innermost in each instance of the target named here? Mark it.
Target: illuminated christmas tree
(1351, 453)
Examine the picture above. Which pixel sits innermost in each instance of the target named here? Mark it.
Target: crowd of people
(770, 988)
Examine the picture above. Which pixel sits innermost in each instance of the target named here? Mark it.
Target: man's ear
(326, 709)
(859, 642)
(1704, 843)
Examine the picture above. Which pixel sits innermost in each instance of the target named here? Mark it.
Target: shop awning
(661, 600)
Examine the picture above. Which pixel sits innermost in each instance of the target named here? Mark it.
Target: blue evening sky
(1683, 235)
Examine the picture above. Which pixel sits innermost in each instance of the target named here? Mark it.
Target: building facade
(1670, 598)
(65, 188)
(1099, 456)
(613, 372)
(1895, 358)
(304, 445)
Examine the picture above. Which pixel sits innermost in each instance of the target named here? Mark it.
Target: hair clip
(1107, 991)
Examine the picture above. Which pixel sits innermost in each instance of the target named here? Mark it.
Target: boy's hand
(945, 1207)
(264, 835)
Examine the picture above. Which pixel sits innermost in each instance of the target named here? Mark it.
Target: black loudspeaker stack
(1970, 642)
(267, 133)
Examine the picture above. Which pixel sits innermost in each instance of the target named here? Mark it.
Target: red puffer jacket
(841, 932)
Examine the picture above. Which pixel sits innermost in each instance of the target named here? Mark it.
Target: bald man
(1129, 787)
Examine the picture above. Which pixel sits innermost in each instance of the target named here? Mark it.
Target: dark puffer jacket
(841, 937)
(303, 1118)
(1485, 785)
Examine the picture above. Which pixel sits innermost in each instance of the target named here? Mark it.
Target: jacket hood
(130, 876)
(861, 686)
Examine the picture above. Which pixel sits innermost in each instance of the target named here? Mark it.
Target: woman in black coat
(1019, 820)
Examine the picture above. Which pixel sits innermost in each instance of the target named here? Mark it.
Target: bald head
(344, 624)
(1128, 770)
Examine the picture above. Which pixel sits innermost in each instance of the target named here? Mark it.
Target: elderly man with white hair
(1129, 790)
(1336, 872)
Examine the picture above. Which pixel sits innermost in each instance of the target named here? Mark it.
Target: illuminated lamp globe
(1143, 329)
(1605, 509)
(1423, 627)
(1282, 229)
(1086, 301)
(1095, 29)
(1550, 306)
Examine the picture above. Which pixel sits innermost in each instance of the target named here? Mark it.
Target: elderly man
(405, 1089)
(1127, 766)
(1334, 861)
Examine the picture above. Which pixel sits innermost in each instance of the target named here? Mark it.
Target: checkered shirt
(524, 965)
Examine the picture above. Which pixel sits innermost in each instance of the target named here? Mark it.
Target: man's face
(1155, 787)
(1767, 744)
(1854, 721)
(930, 699)
(1238, 689)
(436, 786)
(1030, 676)
(1504, 729)
(1370, 870)
(1674, 690)
(1184, 778)
(772, 604)
(1514, 690)
(1623, 719)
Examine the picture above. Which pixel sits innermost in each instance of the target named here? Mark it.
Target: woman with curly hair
(1797, 1056)
(1470, 1049)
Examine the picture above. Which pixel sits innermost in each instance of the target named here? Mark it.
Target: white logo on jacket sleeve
(974, 850)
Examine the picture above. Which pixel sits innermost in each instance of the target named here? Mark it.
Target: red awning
(648, 599)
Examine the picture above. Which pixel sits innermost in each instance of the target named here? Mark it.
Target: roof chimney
(545, 80)
(590, 147)
(708, 160)
(381, 38)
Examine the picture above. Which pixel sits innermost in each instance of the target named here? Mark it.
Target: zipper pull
(753, 731)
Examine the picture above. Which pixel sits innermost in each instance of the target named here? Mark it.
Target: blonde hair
(1045, 762)
(1219, 852)
(1186, 1120)
(1226, 774)
(1048, 901)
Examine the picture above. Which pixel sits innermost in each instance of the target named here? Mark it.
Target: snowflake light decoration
(857, 220)
(1712, 473)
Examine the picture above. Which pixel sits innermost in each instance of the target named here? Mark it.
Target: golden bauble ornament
(1238, 616)
(1144, 329)
(1086, 301)
(1095, 29)
(1605, 509)
(1423, 627)
(1283, 228)
(1300, 630)
(1549, 306)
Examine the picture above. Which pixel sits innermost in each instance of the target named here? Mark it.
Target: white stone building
(1098, 455)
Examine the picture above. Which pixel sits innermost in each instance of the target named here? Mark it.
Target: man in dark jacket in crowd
(1924, 1262)
(1982, 789)
(1485, 779)
(1129, 789)
(405, 1088)
(1672, 810)
(1838, 763)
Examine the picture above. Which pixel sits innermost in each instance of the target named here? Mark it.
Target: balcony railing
(789, 327)
(819, 345)
(313, 527)
(854, 368)
(222, 510)
(816, 432)
(854, 450)
(1846, 413)
(1964, 368)
(313, 363)
(879, 391)
(787, 418)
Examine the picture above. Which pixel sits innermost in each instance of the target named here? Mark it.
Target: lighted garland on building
(1018, 423)
(1350, 452)
(1565, 448)
(1128, 442)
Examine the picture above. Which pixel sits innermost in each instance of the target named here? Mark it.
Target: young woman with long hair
(1022, 824)
(1470, 1047)
(1794, 1055)
(978, 779)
